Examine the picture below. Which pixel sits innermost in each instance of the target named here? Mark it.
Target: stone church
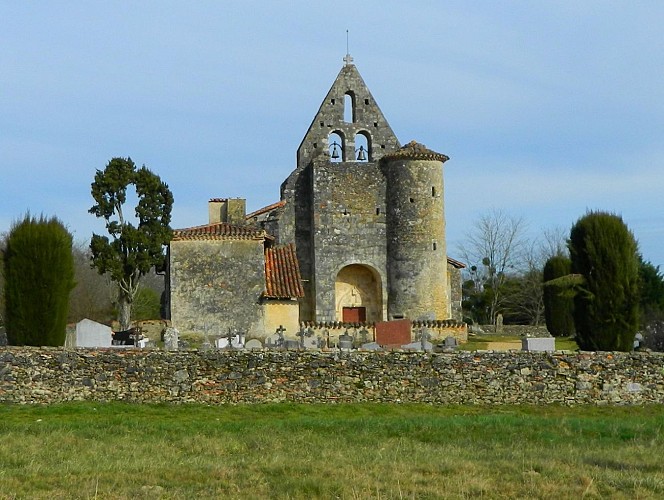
(358, 235)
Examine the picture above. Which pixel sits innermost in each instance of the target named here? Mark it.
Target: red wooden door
(354, 314)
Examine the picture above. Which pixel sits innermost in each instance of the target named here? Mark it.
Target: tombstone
(345, 341)
(307, 339)
(424, 336)
(253, 344)
(92, 334)
(364, 335)
(499, 323)
(291, 344)
(171, 339)
(418, 346)
(638, 340)
(542, 344)
(371, 346)
(393, 333)
(450, 343)
(3, 336)
(276, 340)
(233, 340)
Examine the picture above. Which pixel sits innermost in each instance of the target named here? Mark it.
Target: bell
(335, 153)
(361, 156)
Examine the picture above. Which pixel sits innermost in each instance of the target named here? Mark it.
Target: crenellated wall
(53, 375)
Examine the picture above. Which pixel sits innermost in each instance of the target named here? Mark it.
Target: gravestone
(253, 344)
(418, 346)
(393, 333)
(235, 341)
(345, 341)
(542, 344)
(3, 336)
(307, 339)
(171, 339)
(92, 334)
(291, 344)
(450, 343)
(371, 346)
(499, 323)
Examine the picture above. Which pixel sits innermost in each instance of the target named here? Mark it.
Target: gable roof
(219, 231)
(282, 273)
(268, 208)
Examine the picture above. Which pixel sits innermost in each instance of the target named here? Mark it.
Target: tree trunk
(124, 313)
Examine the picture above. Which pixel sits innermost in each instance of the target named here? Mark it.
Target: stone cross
(364, 335)
(301, 334)
(424, 336)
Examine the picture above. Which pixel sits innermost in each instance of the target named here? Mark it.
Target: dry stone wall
(52, 375)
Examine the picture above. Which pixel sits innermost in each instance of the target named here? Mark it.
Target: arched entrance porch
(358, 294)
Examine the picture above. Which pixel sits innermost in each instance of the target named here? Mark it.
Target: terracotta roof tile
(219, 231)
(282, 273)
(456, 263)
(268, 208)
(415, 151)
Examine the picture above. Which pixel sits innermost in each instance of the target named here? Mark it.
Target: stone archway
(358, 294)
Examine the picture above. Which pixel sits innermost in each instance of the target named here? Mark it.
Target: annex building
(357, 236)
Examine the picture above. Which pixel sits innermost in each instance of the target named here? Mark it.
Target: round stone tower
(416, 249)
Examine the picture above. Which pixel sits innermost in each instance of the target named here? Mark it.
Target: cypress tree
(606, 306)
(39, 275)
(558, 304)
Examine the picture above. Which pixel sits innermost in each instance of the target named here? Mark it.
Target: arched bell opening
(362, 147)
(336, 145)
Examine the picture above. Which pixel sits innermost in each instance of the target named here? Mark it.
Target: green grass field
(86, 450)
(482, 342)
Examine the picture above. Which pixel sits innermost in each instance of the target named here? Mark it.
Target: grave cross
(280, 333)
(364, 335)
(230, 336)
(424, 336)
(301, 334)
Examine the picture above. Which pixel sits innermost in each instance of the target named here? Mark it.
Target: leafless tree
(494, 250)
(94, 294)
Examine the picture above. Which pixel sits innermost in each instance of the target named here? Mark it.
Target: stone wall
(51, 375)
(216, 285)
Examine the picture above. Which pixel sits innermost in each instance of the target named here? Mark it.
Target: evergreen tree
(558, 304)
(39, 275)
(606, 305)
(132, 251)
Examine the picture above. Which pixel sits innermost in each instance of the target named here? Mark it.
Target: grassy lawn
(86, 450)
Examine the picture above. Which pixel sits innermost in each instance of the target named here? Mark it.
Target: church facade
(358, 235)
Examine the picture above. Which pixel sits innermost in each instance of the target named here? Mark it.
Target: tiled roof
(219, 231)
(456, 263)
(269, 208)
(415, 151)
(282, 273)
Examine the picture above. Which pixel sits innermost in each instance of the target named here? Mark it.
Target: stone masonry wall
(52, 375)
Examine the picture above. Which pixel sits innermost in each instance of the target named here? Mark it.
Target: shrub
(39, 275)
(606, 312)
(558, 303)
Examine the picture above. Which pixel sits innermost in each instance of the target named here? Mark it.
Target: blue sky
(546, 109)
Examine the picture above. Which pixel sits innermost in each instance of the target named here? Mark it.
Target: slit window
(433, 191)
(434, 246)
(349, 109)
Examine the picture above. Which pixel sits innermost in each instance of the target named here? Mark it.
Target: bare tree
(94, 294)
(494, 250)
